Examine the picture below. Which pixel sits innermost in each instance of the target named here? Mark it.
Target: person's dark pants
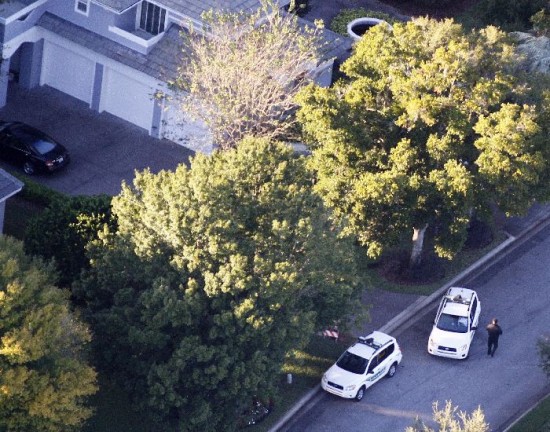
(492, 346)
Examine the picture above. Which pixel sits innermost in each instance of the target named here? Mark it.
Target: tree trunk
(418, 244)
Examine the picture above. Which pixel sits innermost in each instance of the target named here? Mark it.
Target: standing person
(494, 332)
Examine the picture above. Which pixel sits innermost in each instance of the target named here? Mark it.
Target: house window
(82, 6)
(152, 18)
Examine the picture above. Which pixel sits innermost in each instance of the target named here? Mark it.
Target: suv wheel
(28, 168)
(392, 370)
(360, 394)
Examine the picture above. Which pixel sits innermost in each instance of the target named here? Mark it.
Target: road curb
(391, 326)
(424, 302)
(297, 407)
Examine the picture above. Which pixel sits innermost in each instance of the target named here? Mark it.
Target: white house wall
(179, 127)
(67, 71)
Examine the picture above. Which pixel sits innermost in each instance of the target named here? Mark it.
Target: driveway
(105, 150)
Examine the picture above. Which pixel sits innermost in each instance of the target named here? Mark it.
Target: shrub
(63, 230)
(510, 15)
(37, 193)
(340, 22)
(541, 22)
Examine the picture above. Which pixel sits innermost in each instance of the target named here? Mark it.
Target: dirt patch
(395, 268)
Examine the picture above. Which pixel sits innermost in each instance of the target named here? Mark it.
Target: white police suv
(361, 365)
(455, 323)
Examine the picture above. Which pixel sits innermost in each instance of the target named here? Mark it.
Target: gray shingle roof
(161, 63)
(9, 185)
(190, 8)
(118, 5)
(334, 45)
(163, 60)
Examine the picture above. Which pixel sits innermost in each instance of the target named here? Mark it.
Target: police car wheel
(392, 370)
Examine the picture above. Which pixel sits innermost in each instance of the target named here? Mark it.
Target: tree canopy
(63, 230)
(215, 273)
(430, 125)
(45, 378)
(241, 71)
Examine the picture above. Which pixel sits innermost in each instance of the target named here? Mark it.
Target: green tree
(45, 379)
(240, 77)
(63, 230)
(430, 127)
(215, 273)
(541, 21)
(449, 419)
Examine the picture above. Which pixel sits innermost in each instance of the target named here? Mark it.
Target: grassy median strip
(538, 420)
(306, 366)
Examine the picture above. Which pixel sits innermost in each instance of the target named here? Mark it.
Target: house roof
(190, 8)
(118, 5)
(166, 56)
(162, 62)
(9, 185)
(333, 44)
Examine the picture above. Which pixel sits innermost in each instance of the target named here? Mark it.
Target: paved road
(516, 290)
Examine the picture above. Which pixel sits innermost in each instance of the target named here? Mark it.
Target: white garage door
(67, 71)
(180, 128)
(127, 98)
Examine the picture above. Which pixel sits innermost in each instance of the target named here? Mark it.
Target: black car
(31, 149)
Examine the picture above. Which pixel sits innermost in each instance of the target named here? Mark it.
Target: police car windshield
(352, 363)
(453, 323)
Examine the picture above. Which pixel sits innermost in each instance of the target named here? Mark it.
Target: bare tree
(241, 72)
(449, 419)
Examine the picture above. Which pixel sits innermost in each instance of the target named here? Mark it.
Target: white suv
(364, 363)
(455, 323)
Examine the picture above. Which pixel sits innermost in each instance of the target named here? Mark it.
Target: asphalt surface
(104, 149)
(512, 282)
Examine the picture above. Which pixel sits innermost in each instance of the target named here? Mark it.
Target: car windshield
(453, 323)
(352, 363)
(43, 146)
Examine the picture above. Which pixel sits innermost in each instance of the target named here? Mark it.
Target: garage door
(127, 98)
(67, 71)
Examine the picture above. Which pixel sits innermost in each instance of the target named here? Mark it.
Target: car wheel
(360, 394)
(392, 370)
(28, 168)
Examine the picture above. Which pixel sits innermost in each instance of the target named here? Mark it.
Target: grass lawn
(450, 268)
(537, 420)
(306, 366)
